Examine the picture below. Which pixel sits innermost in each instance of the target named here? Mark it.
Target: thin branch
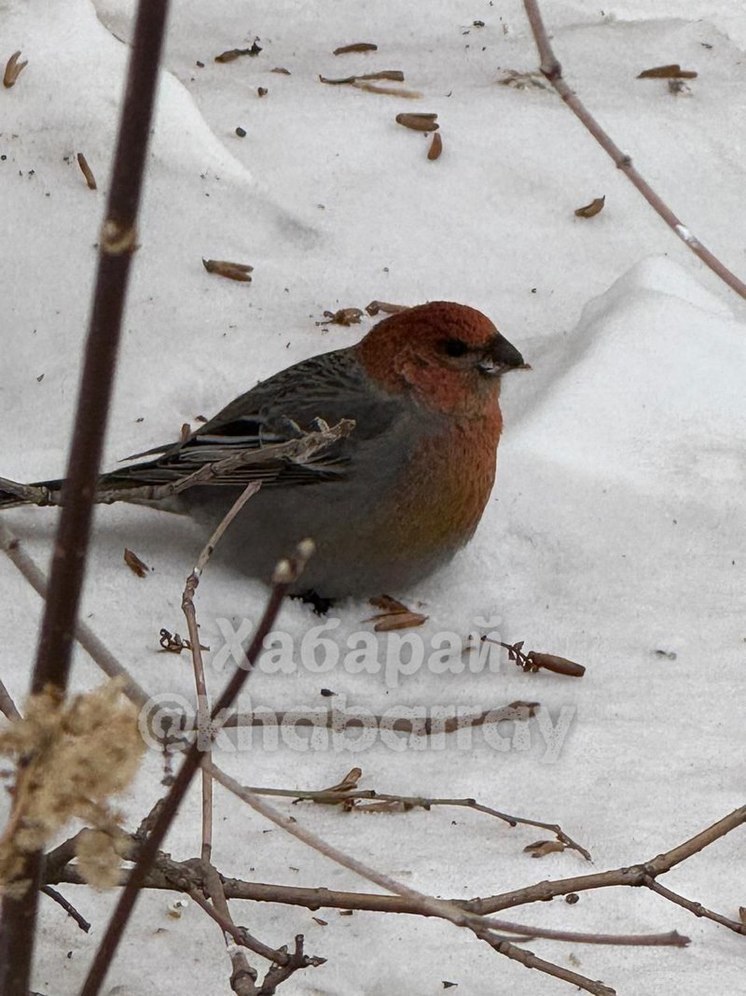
(67, 907)
(422, 802)
(298, 451)
(116, 246)
(552, 70)
(95, 648)
(243, 975)
(285, 574)
(632, 875)
(7, 705)
(696, 908)
(481, 927)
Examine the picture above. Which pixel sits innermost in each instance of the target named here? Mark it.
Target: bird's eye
(455, 347)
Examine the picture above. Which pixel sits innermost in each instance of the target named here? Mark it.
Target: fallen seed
(589, 210)
(418, 122)
(233, 271)
(87, 172)
(356, 47)
(436, 147)
(13, 69)
(672, 71)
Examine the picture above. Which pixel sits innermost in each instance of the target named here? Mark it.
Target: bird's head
(449, 356)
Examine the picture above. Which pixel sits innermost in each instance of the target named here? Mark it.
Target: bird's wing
(329, 387)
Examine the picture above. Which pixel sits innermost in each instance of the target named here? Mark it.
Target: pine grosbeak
(386, 505)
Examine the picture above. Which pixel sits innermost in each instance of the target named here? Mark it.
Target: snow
(616, 533)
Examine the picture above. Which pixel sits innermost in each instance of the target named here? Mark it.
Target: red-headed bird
(389, 503)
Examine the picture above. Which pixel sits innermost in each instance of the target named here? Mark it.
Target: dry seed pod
(356, 47)
(87, 172)
(559, 665)
(436, 147)
(673, 71)
(418, 122)
(233, 271)
(137, 566)
(13, 69)
(399, 620)
(589, 210)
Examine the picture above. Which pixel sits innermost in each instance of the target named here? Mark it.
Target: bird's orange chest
(445, 485)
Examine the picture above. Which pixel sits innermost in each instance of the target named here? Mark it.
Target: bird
(386, 505)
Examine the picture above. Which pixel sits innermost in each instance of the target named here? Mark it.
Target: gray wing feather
(328, 387)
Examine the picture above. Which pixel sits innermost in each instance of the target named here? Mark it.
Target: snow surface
(615, 535)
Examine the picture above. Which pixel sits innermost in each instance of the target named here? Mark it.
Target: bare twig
(632, 875)
(117, 243)
(67, 907)
(296, 450)
(285, 574)
(481, 927)
(552, 70)
(7, 705)
(422, 802)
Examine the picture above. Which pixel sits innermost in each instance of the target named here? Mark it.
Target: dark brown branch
(552, 69)
(632, 875)
(67, 907)
(117, 244)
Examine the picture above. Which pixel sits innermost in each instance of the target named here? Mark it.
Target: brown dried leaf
(540, 848)
(418, 122)
(356, 47)
(388, 309)
(233, 271)
(589, 210)
(13, 69)
(436, 147)
(137, 566)
(86, 170)
(672, 71)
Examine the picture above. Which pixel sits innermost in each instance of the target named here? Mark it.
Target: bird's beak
(499, 357)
